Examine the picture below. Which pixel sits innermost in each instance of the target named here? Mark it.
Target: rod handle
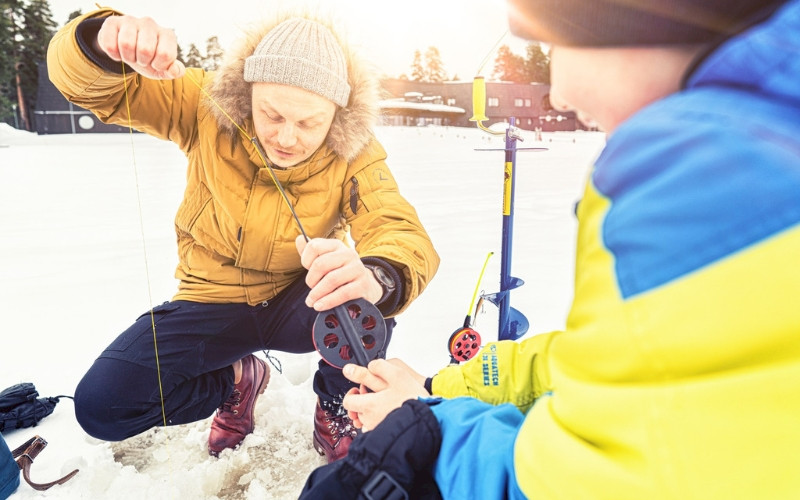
(478, 100)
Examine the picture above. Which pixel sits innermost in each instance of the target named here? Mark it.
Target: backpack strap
(24, 456)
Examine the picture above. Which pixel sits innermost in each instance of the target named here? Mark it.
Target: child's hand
(391, 382)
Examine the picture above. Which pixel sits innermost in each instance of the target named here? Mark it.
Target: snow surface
(77, 267)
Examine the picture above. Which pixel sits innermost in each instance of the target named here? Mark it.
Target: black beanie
(607, 23)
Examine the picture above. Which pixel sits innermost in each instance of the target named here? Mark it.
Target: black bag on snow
(21, 407)
(16, 395)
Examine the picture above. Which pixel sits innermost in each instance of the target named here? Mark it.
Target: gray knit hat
(302, 53)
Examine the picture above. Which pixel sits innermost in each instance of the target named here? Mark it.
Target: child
(677, 375)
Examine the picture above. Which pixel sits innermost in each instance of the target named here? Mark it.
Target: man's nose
(286, 135)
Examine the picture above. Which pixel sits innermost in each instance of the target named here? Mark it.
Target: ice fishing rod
(512, 324)
(465, 342)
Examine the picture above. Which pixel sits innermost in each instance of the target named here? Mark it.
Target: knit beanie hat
(605, 23)
(302, 53)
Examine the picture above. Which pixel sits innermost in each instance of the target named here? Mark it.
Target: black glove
(20, 407)
(16, 395)
(393, 461)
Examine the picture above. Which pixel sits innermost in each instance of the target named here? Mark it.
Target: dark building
(55, 115)
(417, 109)
(450, 103)
(406, 103)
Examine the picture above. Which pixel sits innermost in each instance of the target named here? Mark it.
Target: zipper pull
(354, 195)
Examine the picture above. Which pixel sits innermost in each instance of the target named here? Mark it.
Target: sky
(87, 244)
(387, 33)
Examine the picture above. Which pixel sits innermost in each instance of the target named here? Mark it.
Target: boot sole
(318, 446)
(261, 388)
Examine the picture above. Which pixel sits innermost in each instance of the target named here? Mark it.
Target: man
(677, 373)
(294, 98)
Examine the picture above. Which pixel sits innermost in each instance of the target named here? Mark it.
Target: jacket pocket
(192, 206)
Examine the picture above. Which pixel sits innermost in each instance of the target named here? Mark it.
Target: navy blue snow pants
(119, 396)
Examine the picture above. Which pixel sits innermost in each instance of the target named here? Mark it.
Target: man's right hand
(143, 45)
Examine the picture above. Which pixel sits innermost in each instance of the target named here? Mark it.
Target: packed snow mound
(10, 135)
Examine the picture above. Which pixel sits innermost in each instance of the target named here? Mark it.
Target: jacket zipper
(354, 195)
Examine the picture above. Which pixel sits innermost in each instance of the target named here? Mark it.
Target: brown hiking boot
(234, 419)
(333, 432)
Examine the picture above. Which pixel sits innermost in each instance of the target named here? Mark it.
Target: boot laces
(231, 403)
(340, 425)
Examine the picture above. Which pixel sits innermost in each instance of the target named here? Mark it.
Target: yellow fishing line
(141, 220)
(259, 150)
(144, 247)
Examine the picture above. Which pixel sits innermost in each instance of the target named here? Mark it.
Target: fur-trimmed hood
(351, 129)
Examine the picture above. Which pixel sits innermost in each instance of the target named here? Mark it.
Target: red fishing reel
(464, 344)
(354, 332)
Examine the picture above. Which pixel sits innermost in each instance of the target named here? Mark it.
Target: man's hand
(149, 49)
(391, 382)
(335, 274)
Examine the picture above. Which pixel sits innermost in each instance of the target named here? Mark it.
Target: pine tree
(194, 59)
(180, 55)
(74, 14)
(509, 67)
(214, 55)
(10, 12)
(537, 64)
(434, 68)
(417, 70)
(38, 27)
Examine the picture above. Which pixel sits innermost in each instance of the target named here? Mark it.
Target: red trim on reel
(464, 344)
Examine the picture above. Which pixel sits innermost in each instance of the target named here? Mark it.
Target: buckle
(24, 456)
(30, 449)
(382, 486)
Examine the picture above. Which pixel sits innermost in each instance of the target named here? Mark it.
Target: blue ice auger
(512, 323)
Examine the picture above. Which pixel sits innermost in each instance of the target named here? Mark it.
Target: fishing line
(144, 247)
(146, 265)
(259, 149)
(488, 55)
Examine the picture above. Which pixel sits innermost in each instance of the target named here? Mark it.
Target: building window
(527, 103)
(493, 102)
(518, 103)
(85, 122)
(451, 101)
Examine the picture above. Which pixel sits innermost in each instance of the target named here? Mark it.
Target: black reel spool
(354, 332)
(464, 344)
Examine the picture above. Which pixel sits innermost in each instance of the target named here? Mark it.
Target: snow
(87, 245)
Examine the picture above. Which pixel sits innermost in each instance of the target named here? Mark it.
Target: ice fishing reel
(464, 344)
(354, 332)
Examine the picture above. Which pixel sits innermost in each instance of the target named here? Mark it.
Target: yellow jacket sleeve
(163, 108)
(502, 372)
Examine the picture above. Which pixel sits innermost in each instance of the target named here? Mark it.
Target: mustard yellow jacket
(235, 233)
